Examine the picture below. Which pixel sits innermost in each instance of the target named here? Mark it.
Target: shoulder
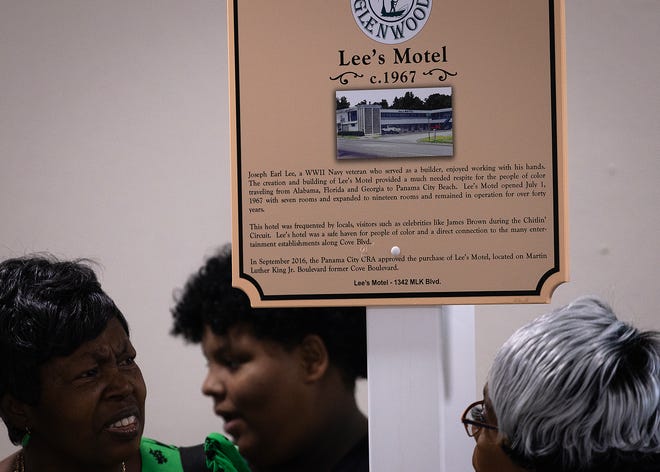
(159, 456)
(222, 455)
(218, 454)
(148, 442)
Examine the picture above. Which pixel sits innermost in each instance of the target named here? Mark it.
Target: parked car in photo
(390, 130)
(443, 125)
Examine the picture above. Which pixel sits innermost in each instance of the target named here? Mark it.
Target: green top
(221, 456)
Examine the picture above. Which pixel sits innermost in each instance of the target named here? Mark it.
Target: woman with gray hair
(574, 390)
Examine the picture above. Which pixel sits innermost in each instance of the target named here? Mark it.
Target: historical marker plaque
(398, 152)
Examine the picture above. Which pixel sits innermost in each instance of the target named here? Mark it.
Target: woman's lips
(232, 424)
(128, 426)
(232, 427)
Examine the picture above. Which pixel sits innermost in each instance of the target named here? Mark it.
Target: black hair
(208, 298)
(48, 308)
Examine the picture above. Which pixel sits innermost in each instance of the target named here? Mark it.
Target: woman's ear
(15, 412)
(314, 356)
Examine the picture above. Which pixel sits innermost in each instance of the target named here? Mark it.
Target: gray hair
(578, 389)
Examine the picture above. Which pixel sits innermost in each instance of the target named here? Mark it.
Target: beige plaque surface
(398, 152)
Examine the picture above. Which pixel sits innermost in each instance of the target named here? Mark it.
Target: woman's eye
(127, 361)
(89, 373)
(477, 413)
(231, 364)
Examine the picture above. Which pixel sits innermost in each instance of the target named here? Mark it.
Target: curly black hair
(48, 308)
(208, 298)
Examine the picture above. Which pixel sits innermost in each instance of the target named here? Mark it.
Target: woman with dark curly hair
(282, 379)
(71, 392)
(575, 390)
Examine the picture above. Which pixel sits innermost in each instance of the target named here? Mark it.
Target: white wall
(114, 146)
(613, 78)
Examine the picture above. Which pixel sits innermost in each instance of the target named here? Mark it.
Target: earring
(26, 437)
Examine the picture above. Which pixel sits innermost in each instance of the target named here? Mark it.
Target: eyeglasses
(474, 419)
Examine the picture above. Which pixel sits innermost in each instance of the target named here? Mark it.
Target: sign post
(390, 153)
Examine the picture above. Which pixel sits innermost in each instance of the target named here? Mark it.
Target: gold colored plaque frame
(398, 153)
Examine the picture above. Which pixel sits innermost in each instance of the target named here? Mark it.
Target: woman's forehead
(113, 339)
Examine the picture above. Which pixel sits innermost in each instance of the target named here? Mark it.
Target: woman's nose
(120, 384)
(213, 385)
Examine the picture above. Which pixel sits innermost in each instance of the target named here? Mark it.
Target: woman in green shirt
(70, 390)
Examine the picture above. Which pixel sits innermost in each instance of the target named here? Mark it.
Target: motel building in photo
(372, 119)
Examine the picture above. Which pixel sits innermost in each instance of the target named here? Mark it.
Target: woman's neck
(7, 464)
(335, 438)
